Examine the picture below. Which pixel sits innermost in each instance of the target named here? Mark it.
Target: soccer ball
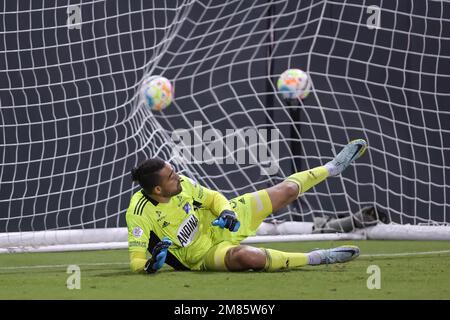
(157, 92)
(294, 84)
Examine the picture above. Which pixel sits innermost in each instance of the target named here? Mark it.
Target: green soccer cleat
(352, 151)
(335, 255)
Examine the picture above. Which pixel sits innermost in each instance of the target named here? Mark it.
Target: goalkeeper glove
(159, 255)
(228, 220)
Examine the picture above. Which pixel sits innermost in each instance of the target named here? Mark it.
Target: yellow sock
(309, 178)
(279, 260)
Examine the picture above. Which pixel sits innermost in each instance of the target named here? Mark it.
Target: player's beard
(174, 193)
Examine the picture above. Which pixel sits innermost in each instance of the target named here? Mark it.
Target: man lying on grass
(190, 227)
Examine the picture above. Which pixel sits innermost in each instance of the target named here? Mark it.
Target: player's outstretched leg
(242, 258)
(279, 260)
(289, 190)
(352, 151)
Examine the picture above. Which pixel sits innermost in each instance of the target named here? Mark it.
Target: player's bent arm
(216, 202)
(226, 217)
(209, 199)
(139, 229)
(137, 261)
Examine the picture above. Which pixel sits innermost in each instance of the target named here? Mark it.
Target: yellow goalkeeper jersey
(186, 220)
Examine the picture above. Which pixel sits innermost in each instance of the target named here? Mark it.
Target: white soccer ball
(294, 84)
(157, 92)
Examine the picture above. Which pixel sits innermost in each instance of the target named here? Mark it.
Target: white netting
(72, 126)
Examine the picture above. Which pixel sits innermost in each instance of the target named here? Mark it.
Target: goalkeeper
(190, 227)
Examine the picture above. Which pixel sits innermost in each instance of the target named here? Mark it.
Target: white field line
(402, 254)
(64, 265)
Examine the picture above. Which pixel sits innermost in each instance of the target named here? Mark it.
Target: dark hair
(147, 173)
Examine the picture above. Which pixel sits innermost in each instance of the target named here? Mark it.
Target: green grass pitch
(419, 272)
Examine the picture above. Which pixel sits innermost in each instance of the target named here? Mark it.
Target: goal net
(72, 123)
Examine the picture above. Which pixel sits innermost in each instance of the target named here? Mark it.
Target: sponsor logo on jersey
(140, 244)
(137, 232)
(161, 218)
(165, 224)
(187, 231)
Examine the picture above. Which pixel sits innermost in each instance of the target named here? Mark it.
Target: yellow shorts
(251, 209)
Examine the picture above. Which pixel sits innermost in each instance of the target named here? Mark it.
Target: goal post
(72, 124)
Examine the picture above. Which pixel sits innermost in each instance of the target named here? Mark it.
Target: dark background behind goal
(70, 130)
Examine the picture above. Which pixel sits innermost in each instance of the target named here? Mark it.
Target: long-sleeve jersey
(186, 220)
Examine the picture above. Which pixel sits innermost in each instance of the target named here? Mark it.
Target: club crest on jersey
(187, 231)
(187, 207)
